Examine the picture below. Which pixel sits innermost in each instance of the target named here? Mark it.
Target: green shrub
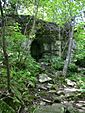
(73, 67)
(80, 50)
(5, 108)
(57, 63)
(79, 80)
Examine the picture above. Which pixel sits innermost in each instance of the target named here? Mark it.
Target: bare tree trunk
(32, 32)
(35, 11)
(36, 4)
(4, 47)
(67, 61)
(60, 42)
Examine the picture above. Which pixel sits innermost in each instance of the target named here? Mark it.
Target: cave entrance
(36, 49)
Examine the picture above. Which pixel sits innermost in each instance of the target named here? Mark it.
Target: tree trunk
(68, 57)
(4, 47)
(35, 11)
(60, 42)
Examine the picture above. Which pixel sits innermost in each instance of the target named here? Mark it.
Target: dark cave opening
(36, 49)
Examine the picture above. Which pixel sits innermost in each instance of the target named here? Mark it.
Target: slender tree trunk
(67, 61)
(35, 11)
(4, 47)
(32, 32)
(59, 42)
(36, 4)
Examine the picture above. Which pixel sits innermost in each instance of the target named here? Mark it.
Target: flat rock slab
(50, 109)
(44, 78)
(56, 108)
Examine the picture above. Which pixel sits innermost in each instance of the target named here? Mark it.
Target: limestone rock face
(49, 37)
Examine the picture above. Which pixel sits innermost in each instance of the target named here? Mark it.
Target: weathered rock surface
(44, 78)
(56, 108)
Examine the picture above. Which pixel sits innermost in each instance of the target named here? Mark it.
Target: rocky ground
(52, 93)
(56, 94)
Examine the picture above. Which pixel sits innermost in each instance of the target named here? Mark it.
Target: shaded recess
(47, 34)
(36, 49)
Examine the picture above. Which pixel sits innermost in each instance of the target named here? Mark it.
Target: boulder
(44, 78)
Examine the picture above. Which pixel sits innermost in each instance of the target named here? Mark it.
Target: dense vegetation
(27, 82)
